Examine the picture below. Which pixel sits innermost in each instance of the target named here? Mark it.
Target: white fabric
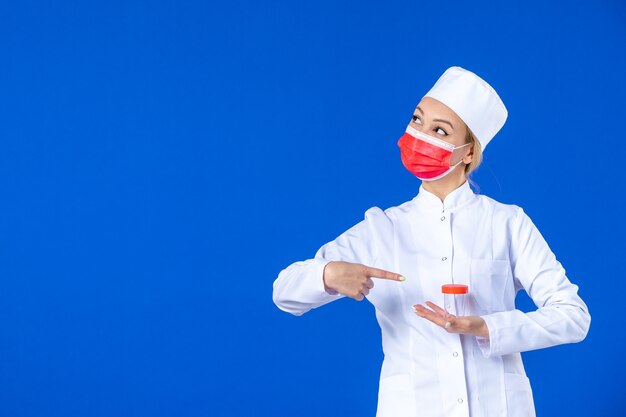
(473, 100)
(470, 239)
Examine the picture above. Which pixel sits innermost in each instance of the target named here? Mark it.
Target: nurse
(437, 363)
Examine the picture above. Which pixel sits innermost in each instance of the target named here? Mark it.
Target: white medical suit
(470, 239)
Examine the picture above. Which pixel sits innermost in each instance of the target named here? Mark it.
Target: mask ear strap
(457, 164)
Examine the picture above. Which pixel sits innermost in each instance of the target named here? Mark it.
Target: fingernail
(448, 324)
(402, 278)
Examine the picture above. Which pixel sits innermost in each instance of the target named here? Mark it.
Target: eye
(440, 129)
(415, 118)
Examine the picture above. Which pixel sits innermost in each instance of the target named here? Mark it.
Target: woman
(437, 363)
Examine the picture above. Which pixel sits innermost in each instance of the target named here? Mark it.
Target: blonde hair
(476, 158)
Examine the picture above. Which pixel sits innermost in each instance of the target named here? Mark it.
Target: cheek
(460, 152)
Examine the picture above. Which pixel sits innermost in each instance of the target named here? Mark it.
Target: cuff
(487, 345)
(320, 277)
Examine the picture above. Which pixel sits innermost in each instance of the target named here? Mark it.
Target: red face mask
(426, 157)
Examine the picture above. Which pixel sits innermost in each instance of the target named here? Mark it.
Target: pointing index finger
(381, 273)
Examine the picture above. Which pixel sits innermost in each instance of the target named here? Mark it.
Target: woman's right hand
(354, 280)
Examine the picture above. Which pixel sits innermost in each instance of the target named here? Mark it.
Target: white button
(455, 354)
(444, 258)
(443, 218)
(460, 400)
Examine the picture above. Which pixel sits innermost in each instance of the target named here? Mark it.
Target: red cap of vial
(454, 289)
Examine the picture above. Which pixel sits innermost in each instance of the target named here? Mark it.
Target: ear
(468, 158)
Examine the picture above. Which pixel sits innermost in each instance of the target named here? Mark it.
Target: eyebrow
(436, 120)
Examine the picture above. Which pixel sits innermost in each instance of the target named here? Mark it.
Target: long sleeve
(561, 317)
(300, 287)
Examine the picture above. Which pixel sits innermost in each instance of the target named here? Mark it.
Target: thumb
(451, 321)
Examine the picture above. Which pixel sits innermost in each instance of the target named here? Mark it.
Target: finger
(429, 314)
(359, 297)
(451, 325)
(438, 309)
(462, 324)
(381, 273)
(365, 291)
(369, 283)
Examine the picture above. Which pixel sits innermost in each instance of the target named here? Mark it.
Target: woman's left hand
(472, 325)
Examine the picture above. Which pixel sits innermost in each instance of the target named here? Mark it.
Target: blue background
(162, 162)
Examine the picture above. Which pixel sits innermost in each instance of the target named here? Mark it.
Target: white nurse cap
(473, 100)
